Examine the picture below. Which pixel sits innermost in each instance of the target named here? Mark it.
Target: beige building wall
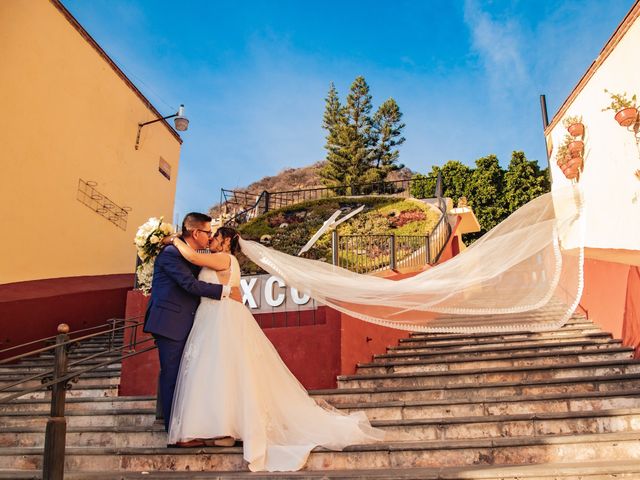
(68, 114)
(612, 153)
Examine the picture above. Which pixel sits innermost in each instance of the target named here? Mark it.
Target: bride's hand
(168, 240)
(236, 294)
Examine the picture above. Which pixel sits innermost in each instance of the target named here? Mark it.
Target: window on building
(164, 168)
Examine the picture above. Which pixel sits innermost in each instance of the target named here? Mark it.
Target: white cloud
(499, 45)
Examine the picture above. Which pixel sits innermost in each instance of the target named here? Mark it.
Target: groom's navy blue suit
(175, 296)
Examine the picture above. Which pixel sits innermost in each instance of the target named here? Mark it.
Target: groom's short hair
(192, 221)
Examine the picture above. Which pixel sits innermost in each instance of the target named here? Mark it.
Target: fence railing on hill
(359, 253)
(242, 206)
(372, 253)
(63, 372)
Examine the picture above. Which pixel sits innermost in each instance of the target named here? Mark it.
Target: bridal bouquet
(148, 243)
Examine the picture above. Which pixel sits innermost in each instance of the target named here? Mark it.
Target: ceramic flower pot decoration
(576, 147)
(576, 129)
(571, 169)
(627, 116)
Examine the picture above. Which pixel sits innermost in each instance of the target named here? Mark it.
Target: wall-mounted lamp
(180, 121)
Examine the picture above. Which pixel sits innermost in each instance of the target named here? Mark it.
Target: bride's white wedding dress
(232, 382)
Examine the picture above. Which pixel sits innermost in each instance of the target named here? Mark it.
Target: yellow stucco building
(73, 188)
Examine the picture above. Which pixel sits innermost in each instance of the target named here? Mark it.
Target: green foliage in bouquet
(148, 243)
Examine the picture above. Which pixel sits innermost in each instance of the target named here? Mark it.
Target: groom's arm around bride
(175, 296)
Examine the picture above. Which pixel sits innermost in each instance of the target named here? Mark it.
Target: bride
(232, 383)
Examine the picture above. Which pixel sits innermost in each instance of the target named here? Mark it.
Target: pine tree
(357, 134)
(360, 149)
(335, 169)
(387, 135)
(523, 181)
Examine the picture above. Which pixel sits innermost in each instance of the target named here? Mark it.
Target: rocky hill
(297, 179)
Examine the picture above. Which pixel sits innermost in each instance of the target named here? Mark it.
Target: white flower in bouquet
(145, 276)
(148, 242)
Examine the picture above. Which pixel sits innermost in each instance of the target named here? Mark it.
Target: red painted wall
(605, 291)
(611, 299)
(361, 340)
(32, 310)
(140, 372)
(312, 352)
(631, 323)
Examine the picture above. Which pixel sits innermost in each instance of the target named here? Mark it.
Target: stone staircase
(536, 406)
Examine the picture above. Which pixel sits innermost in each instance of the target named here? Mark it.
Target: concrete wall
(69, 114)
(612, 156)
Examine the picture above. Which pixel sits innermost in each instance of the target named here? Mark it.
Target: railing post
(427, 246)
(392, 252)
(334, 246)
(55, 435)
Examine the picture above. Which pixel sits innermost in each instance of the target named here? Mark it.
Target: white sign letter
(247, 292)
(268, 292)
(297, 299)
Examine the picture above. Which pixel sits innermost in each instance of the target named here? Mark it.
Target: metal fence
(370, 253)
(242, 206)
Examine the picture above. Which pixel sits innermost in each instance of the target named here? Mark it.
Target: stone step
(473, 343)
(438, 453)
(422, 336)
(82, 353)
(575, 327)
(605, 470)
(489, 375)
(125, 417)
(43, 361)
(25, 371)
(565, 402)
(84, 404)
(94, 378)
(481, 351)
(493, 361)
(502, 426)
(478, 392)
(141, 429)
(80, 389)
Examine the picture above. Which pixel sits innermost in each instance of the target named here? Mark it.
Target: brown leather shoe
(196, 442)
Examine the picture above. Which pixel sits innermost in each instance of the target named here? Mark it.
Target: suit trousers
(170, 353)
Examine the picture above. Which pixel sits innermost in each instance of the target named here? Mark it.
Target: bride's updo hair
(228, 232)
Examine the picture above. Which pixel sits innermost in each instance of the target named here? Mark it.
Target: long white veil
(524, 274)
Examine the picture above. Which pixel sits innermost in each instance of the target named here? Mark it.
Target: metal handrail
(46, 339)
(71, 341)
(71, 376)
(47, 373)
(57, 380)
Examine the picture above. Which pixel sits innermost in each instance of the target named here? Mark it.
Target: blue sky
(253, 75)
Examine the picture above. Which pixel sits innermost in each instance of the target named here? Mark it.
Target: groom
(175, 296)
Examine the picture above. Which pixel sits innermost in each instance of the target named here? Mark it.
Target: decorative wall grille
(101, 204)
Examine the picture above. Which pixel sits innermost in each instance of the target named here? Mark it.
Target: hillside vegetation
(289, 228)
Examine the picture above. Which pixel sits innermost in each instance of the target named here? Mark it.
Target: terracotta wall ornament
(570, 154)
(628, 116)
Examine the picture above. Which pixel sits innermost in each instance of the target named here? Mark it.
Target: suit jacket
(175, 295)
